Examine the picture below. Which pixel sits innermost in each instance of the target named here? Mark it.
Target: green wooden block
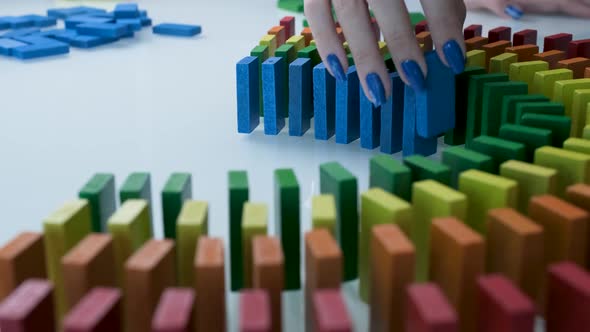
(305, 23)
(532, 138)
(580, 108)
(577, 144)
(509, 104)
(459, 160)
(193, 222)
(560, 126)
(548, 108)
(130, 228)
(501, 63)
(456, 136)
(254, 223)
(475, 102)
(586, 134)
(286, 51)
(572, 167)
(532, 180)
(525, 71)
(62, 230)
(310, 52)
(262, 52)
(544, 81)
(486, 191)
(350, 59)
(432, 200)
(338, 181)
(389, 63)
(177, 190)
(563, 92)
(416, 17)
(427, 169)
(499, 149)
(287, 224)
(136, 186)
(323, 213)
(291, 5)
(491, 117)
(238, 195)
(100, 193)
(378, 207)
(390, 175)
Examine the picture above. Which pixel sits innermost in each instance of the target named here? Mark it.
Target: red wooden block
(568, 305)
(330, 310)
(471, 31)
(429, 310)
(502, 307)
(558, 42)
(577, 65)
(255, 314)
(525, 37)
(579, 48)
(499, 33)
(175, 311)
(28, 308)
(420, 27)
(99, 310)
(289, 23)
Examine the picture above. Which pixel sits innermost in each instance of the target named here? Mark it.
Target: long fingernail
(513, 12)
(454, 56)
(336, 67)
(376, 89)
(414, 75)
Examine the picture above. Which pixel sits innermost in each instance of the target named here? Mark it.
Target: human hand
(445, 20)
(579, 8)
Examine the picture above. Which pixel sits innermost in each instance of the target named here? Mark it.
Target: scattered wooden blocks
(98, 310)
(29, 308)
(174, 312)
(210, 286)
(178, 188)
(179, 30)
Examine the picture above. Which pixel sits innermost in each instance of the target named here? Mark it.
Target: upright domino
(572, 167)
(533, 180)
(287, 224)
(392, 117)
(268, 273)
(99, 310)
(274, 95)
(209, 265)
(254, 223)
(100, 193)
(330, 312)
(347, 108)
(174, 312)
(429, 310)
(136, 186)
(177, 190)
(238, 192)
(248, 94)
(569, 296)
(20, 259)
(255, 314)
(29, 308)
(193, 222)
(323, 213)
(300, 96)
(324, 106)
(390, 175)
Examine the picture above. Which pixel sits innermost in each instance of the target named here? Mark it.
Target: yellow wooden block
(544, 81)
(254, 223)
(577, 144)
(297, 41)
(346, 47)
(312, 42)
(572, 167)
(525, 71)
(271, 42)
(383, 48)
(501, 63)
(586, 134)
(476, 58)
(532, 180)
(580, 108)
(563, 92)
(191, 225)
(323, 213)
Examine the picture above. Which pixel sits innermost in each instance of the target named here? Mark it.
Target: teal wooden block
(287, 224)
(390, 175)
(459, 160)
(178, 189)
(100, 193)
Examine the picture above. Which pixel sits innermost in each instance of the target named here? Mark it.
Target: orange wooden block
(148, 272)
(475, 43)
(515, 249)
(340, 34)
(551, 57)
(577, 65)
(306, 33)
(20, 259)
(495, 49)
(268, 274)
(392, 270)
(323, 267)
(587, 73)
(457, 258)
(210, 285)
(280, 33)
(524, 52)
(579, 195)
(425, 38)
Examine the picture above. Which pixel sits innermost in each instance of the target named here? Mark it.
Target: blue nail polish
(454, 56)
(336, 67)
(376, 89)
(513, 12)
(414, 75)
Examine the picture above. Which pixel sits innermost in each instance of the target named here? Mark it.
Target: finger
(394, 21)
(446, 18)
(319, 16)
(496, 6)
(577, 9)
(353, 16)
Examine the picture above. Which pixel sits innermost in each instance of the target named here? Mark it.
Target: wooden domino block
(587, 73)
(370, 122)
(29, 308)
(500, 33)
(421, 27)
(511, 102)
(392, 270)
(525, 37)
(323, 213)
(500, 150)
(238, 195)
(563, 92)
(390, 175)
(471, 31)
(476, 43)
(297, 41)
(300, 96)
(248, 94)
(502, 307)
(289, 23)
(459, 159)
(514, 233)
(307, 35)
(178, 188)
(501, 63)
(255, 311)
(378, 207)
(525, 71)
(544, 81)
(91, 263)
(429, 310)
(475, 58)
(20, 259)
(495, 48)
(271, 42)
(347, 108)
(280, 33)
(254, 222)
(287, 224)
(533, 180)
(324, 106)
(136, 186)
(192, 224)
(274, 98)
(486, 191)
(551, 57)
(98, 310)
(560, 126)
(579, 195)
(493, 93)
(558, 41)
(330, 312)
(579, 48)
(577, 145)
(261, 52)
(392, 117)
(427, 169)
(147, 274)
(100, 193)
(209, 284)
(174, 312)
(269, 274)
(546, 108)
(532, 138)
(457, 259)
(579, 112)
(524, 52)
(310, 52)
(426, 39)
(569, 298)
(576, 65)
(572, 167)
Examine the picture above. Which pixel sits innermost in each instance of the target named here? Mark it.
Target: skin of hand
(445, 21)
(580, 8)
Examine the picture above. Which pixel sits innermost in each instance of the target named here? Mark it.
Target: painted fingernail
(513, 12)
(454, 56)
(414, 75)
(376, 89)
(336, 67)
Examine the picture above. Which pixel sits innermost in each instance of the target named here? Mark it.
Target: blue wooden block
(4, 25)
(324, 102)
(82, 41)
(370, 118)
(392, 117)
(40, 50)
(412, 142)
(112, 30)
(247, 78)
(63, 13)
(435, 106)
(127, 10)
(21, 32)
(143, 13)
(63, 35)
(18, 22)
(73, 21)
(134, 23)
(273, 94)
(145, 21)
(347, 108)
(7, 45)
(37, 40)
(300, 96)
(172, 29)
(41, 21)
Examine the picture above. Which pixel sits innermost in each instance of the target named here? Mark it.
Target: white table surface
(163, 104)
